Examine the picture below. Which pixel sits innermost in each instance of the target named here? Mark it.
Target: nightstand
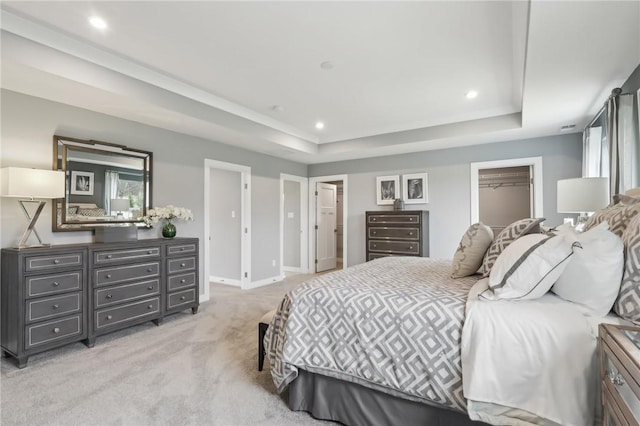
(619, 348)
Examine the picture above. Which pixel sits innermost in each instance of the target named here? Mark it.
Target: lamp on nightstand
(26, 183)
(120, 205)
(583, 196)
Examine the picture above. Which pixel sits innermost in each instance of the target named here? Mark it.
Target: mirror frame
(59, 205)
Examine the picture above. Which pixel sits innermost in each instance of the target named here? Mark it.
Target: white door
(326, 226)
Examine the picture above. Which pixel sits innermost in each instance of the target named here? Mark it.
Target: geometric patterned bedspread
(393, 324)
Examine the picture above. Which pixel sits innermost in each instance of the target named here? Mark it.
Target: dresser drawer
(617, 381)
(405, 218)
(182, 264)
(125, 292)
(106, 257)
(183, 280)
(144, 308)
(181, 298)
(51, 331)
(181, 249)
(53, 284)
(395, 247)
(52, 307)
(124, 273)
(387, 233)
(39, 263)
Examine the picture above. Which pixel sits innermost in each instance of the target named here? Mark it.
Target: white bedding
(530, 361)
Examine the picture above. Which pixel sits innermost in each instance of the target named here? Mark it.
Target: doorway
(294, 218)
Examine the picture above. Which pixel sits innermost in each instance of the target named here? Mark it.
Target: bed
(399, 341)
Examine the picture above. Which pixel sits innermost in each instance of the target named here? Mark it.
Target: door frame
(245, 221)
(304, 222)
(311, 266)
(535, 162)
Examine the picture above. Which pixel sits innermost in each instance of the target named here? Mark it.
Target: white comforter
(531, 361)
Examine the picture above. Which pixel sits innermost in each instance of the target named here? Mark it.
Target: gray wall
(28, 126)
(225, 190)
(292, 225)
(449, 184)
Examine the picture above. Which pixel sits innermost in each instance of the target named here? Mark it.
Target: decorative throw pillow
(506, 237)
(91, 212)
(528, 267)
(471, 250)
(592, 277)
(72, 210)
(625, 199)
(628, 302)
(618, 216)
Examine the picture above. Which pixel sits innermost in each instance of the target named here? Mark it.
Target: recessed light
(471, 94)
(98, 22)
(326, 65)
(319, 125)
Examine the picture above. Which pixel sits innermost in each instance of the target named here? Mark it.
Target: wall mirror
(106, 184)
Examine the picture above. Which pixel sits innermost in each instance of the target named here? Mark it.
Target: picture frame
(81, 183)
(387, 189)
(415, 188)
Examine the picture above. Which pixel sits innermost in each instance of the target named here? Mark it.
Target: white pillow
(528, 267)
(594, 273)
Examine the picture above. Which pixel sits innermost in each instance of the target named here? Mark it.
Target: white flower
(167, 213)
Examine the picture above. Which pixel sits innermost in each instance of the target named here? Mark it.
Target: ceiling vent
(567, 127)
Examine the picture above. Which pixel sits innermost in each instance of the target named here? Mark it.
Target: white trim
(311, 269)
(225, 281)
(262, 283)
(536, 162)
(304, 219)
(245, 219)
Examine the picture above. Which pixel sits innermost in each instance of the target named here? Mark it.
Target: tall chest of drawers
(397, 233)
(52, 296)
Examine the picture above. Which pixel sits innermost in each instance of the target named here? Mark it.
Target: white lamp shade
(31, 183)
(582, 195)
(119, 204)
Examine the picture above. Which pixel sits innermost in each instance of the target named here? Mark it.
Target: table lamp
(119, 205)
(31, 184)
(583, 196)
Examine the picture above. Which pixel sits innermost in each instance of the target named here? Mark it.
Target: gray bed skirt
(327, 398)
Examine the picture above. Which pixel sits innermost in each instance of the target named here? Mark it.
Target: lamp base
(581, 222)
(32, 223)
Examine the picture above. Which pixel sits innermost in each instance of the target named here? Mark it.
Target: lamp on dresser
(583, 196)
(32, 186)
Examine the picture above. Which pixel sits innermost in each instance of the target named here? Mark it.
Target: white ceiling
(400, 69)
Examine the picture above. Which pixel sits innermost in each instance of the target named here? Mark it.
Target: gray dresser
(52, 296)
(397, 233)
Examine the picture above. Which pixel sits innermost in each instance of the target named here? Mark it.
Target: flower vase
(169, 230)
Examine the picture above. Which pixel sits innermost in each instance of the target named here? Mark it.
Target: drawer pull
(374, 219)
(56, 261)
(149, 269)
(108, 276)
(109, 256)
(109, 317)
(181, 248)
(56, 330)
(410, 234)
(615, 378)
(183, 297)
(109, 296)
(55, 284)
(374, 246)
(410, 247)
(55, 306)
(182, 281)
(150, 307)
(150, 287)
(374, 232)
(150, 252)
(182, 265)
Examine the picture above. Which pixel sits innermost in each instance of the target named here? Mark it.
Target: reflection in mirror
(106, 184)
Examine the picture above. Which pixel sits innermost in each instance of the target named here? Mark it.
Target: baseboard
(262, 283)
(226, 281)
(292, 269)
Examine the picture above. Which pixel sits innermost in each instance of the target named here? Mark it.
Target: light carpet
(191, 370)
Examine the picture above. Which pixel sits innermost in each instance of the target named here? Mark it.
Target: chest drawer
(51, 307)
(51, 331)
(405, 218)
(388, 233)
(182, 264)
(619, 382)
(181, 298)
(181, 249)
(176, 282)
(394, 247)
(39, 263)
(125, 292)
(118, 274)
(53, 284)
(106, 257)
(131, 311)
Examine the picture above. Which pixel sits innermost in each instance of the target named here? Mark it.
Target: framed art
(81, 183)
(387, 189)
(414, 188)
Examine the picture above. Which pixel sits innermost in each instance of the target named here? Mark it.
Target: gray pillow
(507, 236)
(618, 216)
(474, 244)
(628, 302)
(91, 212)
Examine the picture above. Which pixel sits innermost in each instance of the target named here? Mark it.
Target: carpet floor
(191, 370)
